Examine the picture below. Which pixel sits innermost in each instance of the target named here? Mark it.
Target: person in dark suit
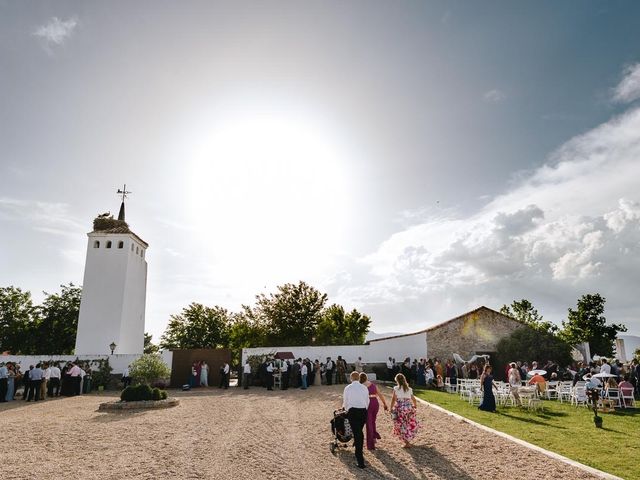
(26, 382)
(329, 366)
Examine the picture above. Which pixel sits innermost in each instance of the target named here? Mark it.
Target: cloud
(628, 89)
(47, 217)
(568, 228)
(56, 32)
(494, 96)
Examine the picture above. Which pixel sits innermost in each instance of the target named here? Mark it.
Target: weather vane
(124, 192)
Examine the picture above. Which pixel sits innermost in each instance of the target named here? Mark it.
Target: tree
(292, 314)
(338, 328)
(57, 321)
(149, 368)
(528, 344)
(16, 320)
(588, 324)
(149, 346)
(523, 311)
(197, 327)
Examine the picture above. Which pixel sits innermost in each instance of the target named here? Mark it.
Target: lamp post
(112, 347)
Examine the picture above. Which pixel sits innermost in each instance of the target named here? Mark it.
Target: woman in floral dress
(403, 411)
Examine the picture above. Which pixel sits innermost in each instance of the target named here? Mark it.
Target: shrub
(155, 394)
(163, 394)
(138, 393)
(149, 368)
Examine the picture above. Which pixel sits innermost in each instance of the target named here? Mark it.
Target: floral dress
(405, 423)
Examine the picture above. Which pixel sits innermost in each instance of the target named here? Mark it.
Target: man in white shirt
(45, 381)
(605, 367)
(54, 381)
(284, 371)
(358, 365)
(35, 382)
(269, 376)
(355, 400)
(226, 375)
(329, 370)
(389, 369)
(74, 373)
(4, 379)
(246, 374)
(303, 374)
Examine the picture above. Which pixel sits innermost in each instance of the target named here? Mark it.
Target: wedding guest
(284, 371)
(204, 374)
(227, 371)
(222, 375)
(372, 411)
(403, 411)
(11, 382)
(246, 374)
(295, 374)
(303, 375)
(269, 375)
(126, 377)
(4, 382)
(389, 369)
(74, 375)
(487, 385)
(35, 382)
(45, 381)
(317, 379)
(340, 370)
(329, 366)
(54, 381)
(358, 365)
(514, 379)
(355, 401)
(26, 382)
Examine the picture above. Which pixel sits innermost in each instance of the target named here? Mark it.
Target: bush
(149, 368)
(163, 394)
(141, 392)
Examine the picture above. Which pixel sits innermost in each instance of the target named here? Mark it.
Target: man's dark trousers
(357, 419)
(4, 385)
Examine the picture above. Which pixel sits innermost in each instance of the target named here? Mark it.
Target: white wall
(117, 362)
(113, 296)
(414, 346)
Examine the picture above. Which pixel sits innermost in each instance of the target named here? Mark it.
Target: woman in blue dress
(11, 383)
(487, 385)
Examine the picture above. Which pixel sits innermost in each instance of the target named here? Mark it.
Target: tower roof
(108, 224)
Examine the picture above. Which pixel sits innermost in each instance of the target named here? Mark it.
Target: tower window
(109, 244)
(132, 247)
(120, 244)
(96, 244)
(142, 253)
(137, 250)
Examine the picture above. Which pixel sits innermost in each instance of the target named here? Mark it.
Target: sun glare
(270, 186)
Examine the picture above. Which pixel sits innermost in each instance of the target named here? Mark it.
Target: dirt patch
(246, 434)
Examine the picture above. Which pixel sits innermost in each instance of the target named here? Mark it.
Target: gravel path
(245, 434)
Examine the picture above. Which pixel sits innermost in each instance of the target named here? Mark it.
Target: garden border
(549, 453)
(119, 405)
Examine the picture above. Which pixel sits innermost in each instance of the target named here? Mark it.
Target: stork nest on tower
(106, 223)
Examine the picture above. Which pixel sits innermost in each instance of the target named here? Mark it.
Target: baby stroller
(341, 430)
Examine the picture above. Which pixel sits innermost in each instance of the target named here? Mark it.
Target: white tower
(114, 289)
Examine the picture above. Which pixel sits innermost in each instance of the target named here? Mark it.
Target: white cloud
(494, 96)
(56, 32)
(568, 228)
(47, 217)
(628, 89)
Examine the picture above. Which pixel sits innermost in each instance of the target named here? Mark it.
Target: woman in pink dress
(372, 411)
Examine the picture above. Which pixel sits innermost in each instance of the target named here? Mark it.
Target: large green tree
(339, 328)
(57, 321)
(150, 348)
(524, 311)
(292, 314)
(197, 326)
(16, 320)
(587, 323)
(528, 344)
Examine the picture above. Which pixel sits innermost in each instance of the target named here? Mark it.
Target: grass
(562, 428)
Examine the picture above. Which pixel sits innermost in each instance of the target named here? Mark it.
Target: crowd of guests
(43, 380)
(199, 376)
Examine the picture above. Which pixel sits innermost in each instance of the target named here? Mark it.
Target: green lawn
(564, 429)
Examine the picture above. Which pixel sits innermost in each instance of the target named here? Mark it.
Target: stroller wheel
(332, 447)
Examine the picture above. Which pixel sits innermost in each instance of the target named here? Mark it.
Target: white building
(114, 290)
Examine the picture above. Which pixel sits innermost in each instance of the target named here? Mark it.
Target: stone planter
(119, 406)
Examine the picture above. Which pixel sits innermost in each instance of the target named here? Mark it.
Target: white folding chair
(613, 395)
(627, 397)
(579, 396)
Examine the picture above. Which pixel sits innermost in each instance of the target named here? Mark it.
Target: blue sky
(412, 159)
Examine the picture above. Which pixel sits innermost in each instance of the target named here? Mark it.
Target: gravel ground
(245, 434)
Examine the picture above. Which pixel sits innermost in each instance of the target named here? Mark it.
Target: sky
(413, 160)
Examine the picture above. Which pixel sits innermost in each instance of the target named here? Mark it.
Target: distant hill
(374, 335)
